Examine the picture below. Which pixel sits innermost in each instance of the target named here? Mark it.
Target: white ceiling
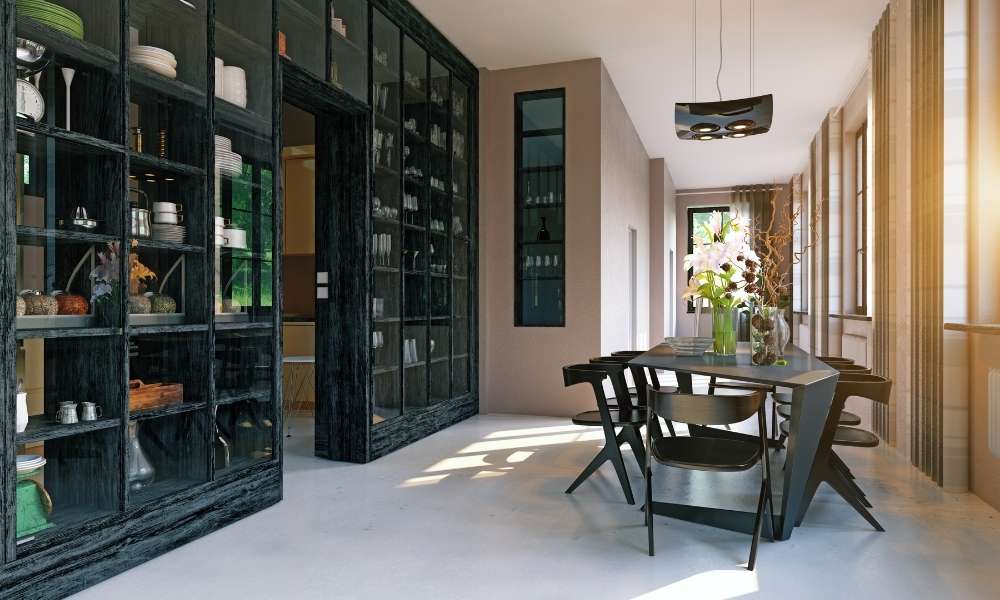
(809, 54)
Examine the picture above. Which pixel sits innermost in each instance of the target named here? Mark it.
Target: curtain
(752, 202)
(881, 176)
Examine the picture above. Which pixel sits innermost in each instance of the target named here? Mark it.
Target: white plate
(167, 72)
(223, 142)
(152, 58)
(155, 51)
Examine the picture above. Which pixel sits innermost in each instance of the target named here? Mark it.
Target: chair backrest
(863, 385)
(835, 359)
(703, 409)
(618, 382)
(654, 379)
(845, 368)
(594, 374)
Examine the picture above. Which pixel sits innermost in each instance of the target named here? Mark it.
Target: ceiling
(809, 53)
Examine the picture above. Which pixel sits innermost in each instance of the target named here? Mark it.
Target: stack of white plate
(169, 233)
(27, 463)
(234, 85)
(155, 59)
(226, 161)
(689, 346)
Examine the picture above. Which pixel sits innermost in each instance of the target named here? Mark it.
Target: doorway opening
(299, 284)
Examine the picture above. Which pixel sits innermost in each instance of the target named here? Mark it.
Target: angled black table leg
(806, 446)
(684, 384)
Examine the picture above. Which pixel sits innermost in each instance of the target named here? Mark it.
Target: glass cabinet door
(302, 34)
(416, 256)
(438, 251)
(242, 415)
(461, 280)
(349, 46)
(388, 212)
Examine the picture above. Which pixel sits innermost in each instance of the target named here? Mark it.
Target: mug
(67, 413)
(90, 411)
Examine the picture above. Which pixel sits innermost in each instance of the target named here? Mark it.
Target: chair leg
(838, 464)
(670, 428)
(647, 473)
(839, 484)
(632, 436)
(589, 470)
(757, 525)
(619, 463)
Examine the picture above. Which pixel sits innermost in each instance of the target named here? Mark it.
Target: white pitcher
(22, 412)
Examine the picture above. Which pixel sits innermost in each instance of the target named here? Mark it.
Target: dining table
(810, 439)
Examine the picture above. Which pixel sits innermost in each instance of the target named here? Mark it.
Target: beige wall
(521, 367)
(624, 205)
(662, 243)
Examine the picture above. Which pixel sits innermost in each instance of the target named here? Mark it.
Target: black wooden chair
(835, 471)
(624, 415)
(710, 453)
(639, 393)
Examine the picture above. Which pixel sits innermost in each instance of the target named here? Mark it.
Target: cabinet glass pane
(349, 46)
(243, 78)
(81, 475)
(390, 346)
(302, 34)
(69, 68)
(460, 153)
(169, 80)
(243, 434)
(540, 224)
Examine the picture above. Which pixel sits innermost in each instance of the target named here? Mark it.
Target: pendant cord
(694, 50)
(753, 44)
(719, 72)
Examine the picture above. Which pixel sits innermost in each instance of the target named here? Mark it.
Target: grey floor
(478, 511)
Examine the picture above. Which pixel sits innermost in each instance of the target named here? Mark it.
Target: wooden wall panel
(881, 174)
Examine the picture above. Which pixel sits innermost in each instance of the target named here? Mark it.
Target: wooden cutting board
(155, 395)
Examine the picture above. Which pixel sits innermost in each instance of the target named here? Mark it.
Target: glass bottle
(140, 471)
(543, 232)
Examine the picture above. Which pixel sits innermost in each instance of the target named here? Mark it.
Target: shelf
(232, 39)
(413, 136)
(440, 359)
(302, 13)
(173, 88)
(385, 269)
(385, 220)
(556, 206)
(439, 275)
(542, 243)
(415, 273)
(64, 46)
(441, 318)
(49, 333)
(340, 40)
(413, 180)
(37, 236)
(166, 329)
(386, 171)
(386, 120)
(384, 75)
(63, 520)
(28, 126)
(228, 114)
(242, 325)
(161, 489)
(166, 411)
(413, 365)
(225, 397)
(152, 244)
(414, 227)
(41, 428)
(241, 462)
(384, 370)
(386, 320)
(460, 357)
(152, 162)
(542, 278)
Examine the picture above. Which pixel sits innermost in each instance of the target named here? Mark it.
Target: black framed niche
(540, 208)
(116, 288)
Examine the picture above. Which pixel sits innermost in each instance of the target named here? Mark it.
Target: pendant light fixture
(733, 119)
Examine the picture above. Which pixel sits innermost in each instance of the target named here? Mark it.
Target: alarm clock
(30, 103)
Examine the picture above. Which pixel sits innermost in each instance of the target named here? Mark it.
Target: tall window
(698, 218)
(861, 220)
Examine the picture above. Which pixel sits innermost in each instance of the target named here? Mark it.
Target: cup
(67, 413)
(220, 78)
(90, 411)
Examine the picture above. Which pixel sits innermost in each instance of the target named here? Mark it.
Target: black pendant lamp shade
(708, 121)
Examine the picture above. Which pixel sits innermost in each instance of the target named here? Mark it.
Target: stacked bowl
(155, 59)
(53, 15)
(29, 463)
(167, 219)
(226, 161)
(234, 85)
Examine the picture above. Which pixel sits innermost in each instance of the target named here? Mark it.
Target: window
(861, 220)
(698, 217)
(540, 220)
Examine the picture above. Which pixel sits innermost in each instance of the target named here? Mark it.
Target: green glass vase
(724, 320)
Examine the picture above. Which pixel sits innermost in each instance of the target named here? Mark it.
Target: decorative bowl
(689, 346)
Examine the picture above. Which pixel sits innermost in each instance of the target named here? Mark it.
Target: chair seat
(592, 418)
(846, 416)
(858, 438)
(706, 453)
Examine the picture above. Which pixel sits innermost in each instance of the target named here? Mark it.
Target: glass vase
(140, 471)
(766, 337)
(724, 322)
(784, 332)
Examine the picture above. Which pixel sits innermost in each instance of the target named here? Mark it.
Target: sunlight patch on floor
(459, 462)
(710, 585)
(424, 480)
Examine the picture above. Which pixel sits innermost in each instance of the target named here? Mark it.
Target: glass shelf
(349, 47)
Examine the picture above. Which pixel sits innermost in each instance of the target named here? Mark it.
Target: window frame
(861, 221)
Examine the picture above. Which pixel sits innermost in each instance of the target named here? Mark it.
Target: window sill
(852, 317)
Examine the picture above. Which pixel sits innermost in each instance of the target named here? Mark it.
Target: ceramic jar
(22, 308)
(71, 304)
(162, 304)
(139, 305)
(37, 303)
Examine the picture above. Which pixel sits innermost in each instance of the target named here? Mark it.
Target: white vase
(22, 412)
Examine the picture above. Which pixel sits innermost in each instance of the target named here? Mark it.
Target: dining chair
(726, 384)
(630, 419)
(710, 453)
(835, 471)
(639, 378)
(835, 359)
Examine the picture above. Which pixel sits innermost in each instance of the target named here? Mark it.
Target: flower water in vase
(724, 321)
(765, 335)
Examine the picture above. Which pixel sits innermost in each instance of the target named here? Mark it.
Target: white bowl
(689, 346)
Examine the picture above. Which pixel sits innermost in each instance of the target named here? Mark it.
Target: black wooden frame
(519, 99)
(691, 212)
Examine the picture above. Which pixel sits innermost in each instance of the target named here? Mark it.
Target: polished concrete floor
(478, 511)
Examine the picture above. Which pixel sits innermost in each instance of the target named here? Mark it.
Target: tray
(54, 321)
(143, 396)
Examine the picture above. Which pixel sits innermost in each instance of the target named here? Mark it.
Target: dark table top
(802, 369)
